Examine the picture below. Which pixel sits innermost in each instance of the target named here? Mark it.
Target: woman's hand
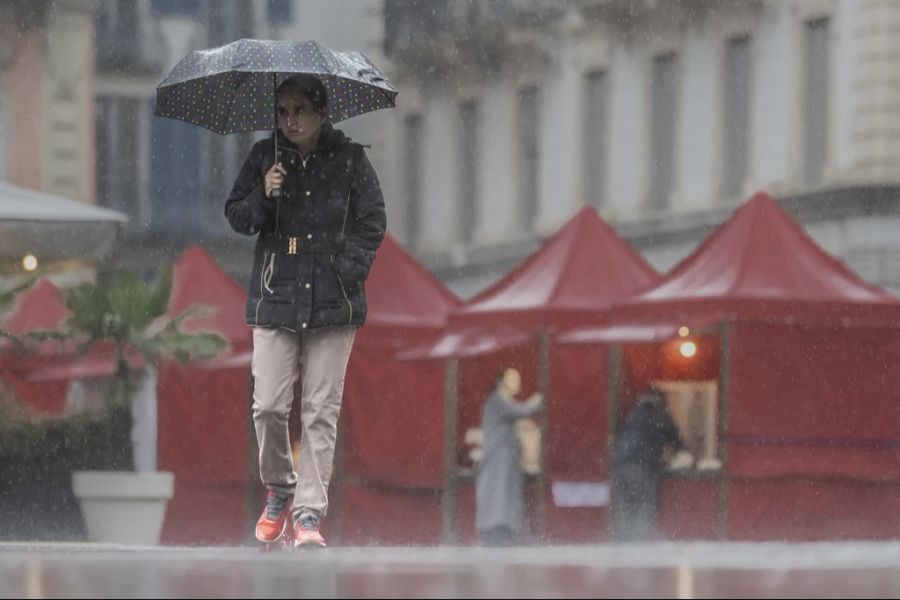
(274, 178)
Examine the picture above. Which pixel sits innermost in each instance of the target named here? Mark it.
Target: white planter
(123, 507)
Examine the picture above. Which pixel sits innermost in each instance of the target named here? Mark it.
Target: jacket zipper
(262, 284)
(343, 290)
(303, 161)
(341, 281)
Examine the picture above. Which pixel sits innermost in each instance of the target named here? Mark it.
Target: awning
(620, 333)
(474, 342)
(634, 332)
(51, 226)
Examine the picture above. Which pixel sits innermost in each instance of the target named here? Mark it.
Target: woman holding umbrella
(313, 200)
(315, 246)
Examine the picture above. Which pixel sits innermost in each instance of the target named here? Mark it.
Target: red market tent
(41, 307)
(41, 377)
(203, 411)
(571, 281)
(803, 353)
(392, 418)
(393, 413)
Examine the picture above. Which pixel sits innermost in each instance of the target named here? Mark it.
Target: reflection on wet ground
(858, 570)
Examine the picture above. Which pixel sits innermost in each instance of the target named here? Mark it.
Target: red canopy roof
(572, 280)
(760, 263)
(40, 307)
(582, 270)
(198, 280)
(401, 293)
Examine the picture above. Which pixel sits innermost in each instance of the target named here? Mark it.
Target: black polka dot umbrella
(231, 88)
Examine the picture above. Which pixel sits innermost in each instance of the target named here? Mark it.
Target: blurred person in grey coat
(499, 501)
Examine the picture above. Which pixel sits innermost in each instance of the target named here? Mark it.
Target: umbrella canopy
(231, 88)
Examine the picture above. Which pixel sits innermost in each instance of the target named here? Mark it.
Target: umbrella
(231, 88)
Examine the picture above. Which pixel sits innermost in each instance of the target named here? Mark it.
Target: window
(694, 409)
(280, 11)
(182, 8)
(736, 116)
(528, 154)
(117, 23)
(223, 162)
(175, 178)
(412, 144)
(229, 21)
(118, 156)
(594, 140)
(127, 40)
(815, 94)
(469, 157)
(662, 128)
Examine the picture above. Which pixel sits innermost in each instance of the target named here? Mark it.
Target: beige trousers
(319, 357)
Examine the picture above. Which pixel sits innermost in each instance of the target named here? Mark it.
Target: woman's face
(298, 119)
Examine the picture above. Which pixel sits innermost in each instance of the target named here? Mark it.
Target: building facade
(46, 96)
(662, 114)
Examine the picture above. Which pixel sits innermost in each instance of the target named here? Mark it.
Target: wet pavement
(854, 570)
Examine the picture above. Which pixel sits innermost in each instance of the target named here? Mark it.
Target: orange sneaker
(306, 532)
(273, 520)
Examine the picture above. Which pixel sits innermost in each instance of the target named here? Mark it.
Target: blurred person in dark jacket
(637, 464)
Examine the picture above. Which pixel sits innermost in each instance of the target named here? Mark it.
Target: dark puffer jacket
(316, 245)
(647, 430)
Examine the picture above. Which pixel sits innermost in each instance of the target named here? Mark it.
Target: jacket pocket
(276, 284)
(349, 274)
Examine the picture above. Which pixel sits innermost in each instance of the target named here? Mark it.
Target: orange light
(684, 331)
(688, 349)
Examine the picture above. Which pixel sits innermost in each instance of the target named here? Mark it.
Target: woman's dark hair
(309, 86)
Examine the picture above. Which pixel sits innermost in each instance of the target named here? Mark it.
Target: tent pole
(544, 387)
(724, 380)
(613, 404)
(449, 516)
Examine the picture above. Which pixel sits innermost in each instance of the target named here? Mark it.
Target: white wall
(339, 25)
(844, 72)
(627, 147)
(700, 113)
(438, 173)
(772, 98)
(775, 124)
(497, 210)
(5, 132)
(560, 149)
